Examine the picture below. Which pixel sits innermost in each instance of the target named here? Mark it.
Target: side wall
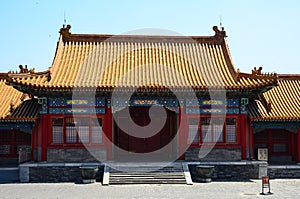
(76, 155)
(58, 172)
(232, 170)
(288, 171)
(216, 154)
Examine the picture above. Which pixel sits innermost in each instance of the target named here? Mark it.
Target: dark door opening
(13, 142)
(281, 145)
(159, 143)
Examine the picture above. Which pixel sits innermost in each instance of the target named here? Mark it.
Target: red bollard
(265, 184)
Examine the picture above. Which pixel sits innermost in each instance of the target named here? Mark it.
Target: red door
(280, 144)
(143, 143)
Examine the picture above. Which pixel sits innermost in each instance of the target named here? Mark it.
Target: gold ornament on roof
(65, 31)
(23, 69)
(219, 33)
(256, 72)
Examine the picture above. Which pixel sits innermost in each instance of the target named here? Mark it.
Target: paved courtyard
(249, 189)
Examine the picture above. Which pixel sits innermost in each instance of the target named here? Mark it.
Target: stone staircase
(146, 173)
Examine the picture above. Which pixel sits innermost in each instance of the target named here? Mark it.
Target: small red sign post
(265, 184)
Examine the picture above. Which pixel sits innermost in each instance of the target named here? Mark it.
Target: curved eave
(23, 120)
(34, 81)
(30, 79)
(261, 86)
(276, 119)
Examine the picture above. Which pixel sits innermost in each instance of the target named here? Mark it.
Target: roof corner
(4, 76)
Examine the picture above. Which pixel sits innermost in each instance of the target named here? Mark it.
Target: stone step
(146, 174)
(141, 175)
(144, 171)
(146, 181)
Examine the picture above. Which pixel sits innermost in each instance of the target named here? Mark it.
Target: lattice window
(193, 134)
(218, 132)
(213, 129)
(77, 130)
(4, 149)
(23, 147)
(84, 134)
(83, 129)
(219, 129)
(57, 130)
(71, 131)
(230, 130)
(206, 133)
(96, 130)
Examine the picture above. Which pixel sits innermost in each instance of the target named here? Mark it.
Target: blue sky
(260, 33)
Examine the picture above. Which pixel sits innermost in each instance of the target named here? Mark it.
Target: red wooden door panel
(144, 143)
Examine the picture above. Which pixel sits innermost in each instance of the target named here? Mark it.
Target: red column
(44, 136)
(33, 141)
(243, 135)
(108, 132)
(293, 147)
(39, 139)
(251, 138)
(182, 132)
(13, 142)
(252, 143)
(270, 142)
(298, 144)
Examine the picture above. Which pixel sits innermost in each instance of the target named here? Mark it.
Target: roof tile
(12, 106)
(283, 101)
(108, 61)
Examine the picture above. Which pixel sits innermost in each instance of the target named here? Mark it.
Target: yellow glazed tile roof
(281, 102)
(152, 62)
(12, 106)
(8, 96)
(28, 110)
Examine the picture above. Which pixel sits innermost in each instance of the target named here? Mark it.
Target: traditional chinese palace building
(77, 109)
(18, 116)
(275, 120)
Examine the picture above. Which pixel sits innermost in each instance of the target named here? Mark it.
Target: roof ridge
(257, 74)
(289, 76)
(229, 61)
(4, 76)
(32, 74)
(68, 36)
(28, 74)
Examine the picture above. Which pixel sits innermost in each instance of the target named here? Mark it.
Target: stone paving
(281, 188)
